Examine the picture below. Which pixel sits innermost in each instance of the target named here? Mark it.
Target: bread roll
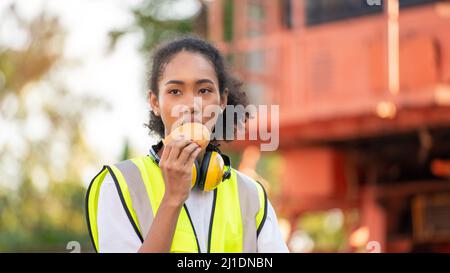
(194, 131)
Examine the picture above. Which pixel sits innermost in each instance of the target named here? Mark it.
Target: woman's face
(187, 86)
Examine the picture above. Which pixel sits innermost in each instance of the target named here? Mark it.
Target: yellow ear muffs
(212, 171)
(215, 167)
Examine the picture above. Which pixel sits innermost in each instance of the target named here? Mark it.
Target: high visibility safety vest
(238, 213)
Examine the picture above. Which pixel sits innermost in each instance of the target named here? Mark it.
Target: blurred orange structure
(364, 95)
(249, 160)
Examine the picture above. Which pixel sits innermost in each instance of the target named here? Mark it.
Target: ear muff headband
(227, 163)
(204, 169)
(195, 173)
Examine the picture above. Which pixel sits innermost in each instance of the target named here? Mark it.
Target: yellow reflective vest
(238, 212)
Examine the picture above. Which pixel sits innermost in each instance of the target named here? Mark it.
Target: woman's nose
(192, 109)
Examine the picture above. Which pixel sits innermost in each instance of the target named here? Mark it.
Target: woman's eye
(205, 90)
(174, 91)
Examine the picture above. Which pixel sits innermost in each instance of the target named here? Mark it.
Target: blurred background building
(363, 88)
(364, 95)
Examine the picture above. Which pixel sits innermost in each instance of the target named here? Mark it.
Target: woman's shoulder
(138, 163)
(247, 180)
(111, 168)
(244, 176)
(135, 160)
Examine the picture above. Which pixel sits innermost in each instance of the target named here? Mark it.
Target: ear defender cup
(213, 179)
(212, 171)
(195, 173)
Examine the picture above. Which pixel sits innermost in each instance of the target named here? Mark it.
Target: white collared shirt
(116, 234)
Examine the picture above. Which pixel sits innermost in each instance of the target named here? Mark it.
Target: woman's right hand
(176, 165)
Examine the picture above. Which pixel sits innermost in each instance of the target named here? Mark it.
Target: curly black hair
(162, 56)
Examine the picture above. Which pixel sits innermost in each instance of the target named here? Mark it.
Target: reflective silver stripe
(138, 194)
(249, 202)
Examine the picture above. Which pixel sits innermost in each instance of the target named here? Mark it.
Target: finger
(193, 156)
(177, 146)
(186, 152)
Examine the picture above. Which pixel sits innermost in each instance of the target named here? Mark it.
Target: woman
(148, 204)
